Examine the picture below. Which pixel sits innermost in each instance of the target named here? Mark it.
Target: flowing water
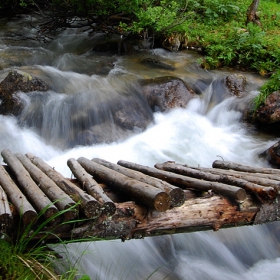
(82, 83)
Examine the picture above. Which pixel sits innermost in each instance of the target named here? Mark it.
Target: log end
(108, 208)
(29, 216)
(241, 194)
(177, 196)
(92, 209)
(162, 201)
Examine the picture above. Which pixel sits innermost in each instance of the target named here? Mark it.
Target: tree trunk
(233, 192)
(177, 194)
(34, 194)
(155, 198)
(17, 198)
(62, 200)
(264, 192)
(252, 13)
(6, 217)
(108, 207)
(89, 204)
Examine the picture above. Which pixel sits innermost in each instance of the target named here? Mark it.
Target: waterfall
(210, 128)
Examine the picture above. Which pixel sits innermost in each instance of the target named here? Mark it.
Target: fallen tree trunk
(89, 204)
(108, 207)
(132, 220)
(177, 195)
(34, 194)
(17, 198)
(155, 198)
(264, 192)
(233, 192)
(62, 200)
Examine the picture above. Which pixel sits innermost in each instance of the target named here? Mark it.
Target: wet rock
(267, 117)
(236, 84)
(17, 81)
(155, 63)
(164, 93)
(273, 154)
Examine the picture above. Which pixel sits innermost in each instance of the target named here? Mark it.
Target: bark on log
(236, 193)
(177, 195)
(257, 178)
(108, 207)
(29, 187)
(142, 192)
(6, 217)
(54, 193)
(244, 168)
(89, 205)
(264, 192)
(252, 13)
(17, 198)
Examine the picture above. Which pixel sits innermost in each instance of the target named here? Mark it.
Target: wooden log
(257, 178)
(245, 168)
(17, 198)
(40, 201)
(177, 195)
(6, 217)
(90, 206)
(236, 193)
(108, 207)
(54, 193)
(142, 192)
(264, 192)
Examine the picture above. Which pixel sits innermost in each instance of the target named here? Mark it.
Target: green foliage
(272, 85)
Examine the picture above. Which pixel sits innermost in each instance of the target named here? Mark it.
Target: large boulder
(273, 154)
(267, 116)
(164, 93)
(17, 81)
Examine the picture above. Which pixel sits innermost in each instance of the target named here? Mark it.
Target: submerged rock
(164, 93)
(17, 81)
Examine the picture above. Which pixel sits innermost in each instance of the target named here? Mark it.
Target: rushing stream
(209, 128)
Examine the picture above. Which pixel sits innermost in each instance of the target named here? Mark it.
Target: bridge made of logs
(128, 200)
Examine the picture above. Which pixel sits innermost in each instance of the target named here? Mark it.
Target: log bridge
(126, 200)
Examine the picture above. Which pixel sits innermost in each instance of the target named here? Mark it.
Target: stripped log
(142, 192)
(56, 194)
(264, 192)
(17, 198)
(29, 187)
(108, 207)
(244, 168)
(177, 195)
(6, 217)
(236, 193)
(89, 204)
(257, 178)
